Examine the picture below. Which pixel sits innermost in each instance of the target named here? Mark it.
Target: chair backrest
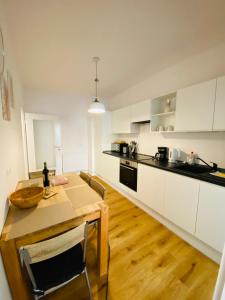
(98, 187)
(52, 247)
(86, 177)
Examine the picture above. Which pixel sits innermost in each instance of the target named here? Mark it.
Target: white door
(43, 136)
(195, 107)
(219, 292)
(210, 223)
(219, 114)
(181, 201)
(151, 187)
(121, 120)
(140, 111)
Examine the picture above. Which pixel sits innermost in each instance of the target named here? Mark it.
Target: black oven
(128, 173)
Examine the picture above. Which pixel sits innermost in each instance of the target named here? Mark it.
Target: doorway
(43, 143)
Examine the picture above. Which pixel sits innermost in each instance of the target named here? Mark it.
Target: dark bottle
(45, 173)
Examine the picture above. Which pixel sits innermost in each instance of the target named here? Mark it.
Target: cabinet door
(210, 226)
(150, 188)
(121, 120)
(140, 111)
(219, 114)
(195, 106)
(181, 201)
(108, 168)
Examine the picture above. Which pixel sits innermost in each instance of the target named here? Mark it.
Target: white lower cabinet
(108, 168)
(150, 188)
(210, 226)
(181, 201)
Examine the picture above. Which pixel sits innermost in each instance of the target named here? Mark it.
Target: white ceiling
(54, 40)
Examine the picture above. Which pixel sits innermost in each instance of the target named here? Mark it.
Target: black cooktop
(137, 157)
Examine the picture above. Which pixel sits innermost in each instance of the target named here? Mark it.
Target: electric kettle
(174, 154)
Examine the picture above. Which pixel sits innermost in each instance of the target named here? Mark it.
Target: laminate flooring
(148, 261)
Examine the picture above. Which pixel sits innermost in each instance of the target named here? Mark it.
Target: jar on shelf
(167, 106)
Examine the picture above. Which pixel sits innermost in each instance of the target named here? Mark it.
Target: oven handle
(123, 166)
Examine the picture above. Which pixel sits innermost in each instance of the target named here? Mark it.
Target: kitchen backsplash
(208, 145)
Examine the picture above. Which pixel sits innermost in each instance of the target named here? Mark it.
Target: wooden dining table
(72, 204)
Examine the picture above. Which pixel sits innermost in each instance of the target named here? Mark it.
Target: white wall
(11, 152)
(73, 115)
(209, 146)
(197, 68)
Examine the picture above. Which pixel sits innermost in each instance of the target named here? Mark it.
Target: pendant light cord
(96, 80)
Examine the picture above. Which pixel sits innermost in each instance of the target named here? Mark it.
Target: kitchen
(157, 150)
(175, 185)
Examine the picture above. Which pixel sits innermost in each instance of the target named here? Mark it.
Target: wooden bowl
(27, 197)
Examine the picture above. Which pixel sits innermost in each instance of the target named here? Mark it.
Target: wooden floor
(147, 262)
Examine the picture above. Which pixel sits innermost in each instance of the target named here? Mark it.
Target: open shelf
(163, 110)
(164, 114)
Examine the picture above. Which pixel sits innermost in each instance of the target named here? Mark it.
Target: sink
(197, 169)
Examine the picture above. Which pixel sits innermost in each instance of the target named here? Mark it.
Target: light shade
(96, 107)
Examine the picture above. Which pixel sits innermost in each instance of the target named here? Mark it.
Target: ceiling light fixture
(96, 107)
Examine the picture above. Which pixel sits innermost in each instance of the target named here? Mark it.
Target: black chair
(53, 263)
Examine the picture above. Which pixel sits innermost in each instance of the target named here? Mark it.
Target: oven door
(128, 176)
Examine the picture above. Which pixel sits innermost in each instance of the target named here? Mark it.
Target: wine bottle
(45, 173)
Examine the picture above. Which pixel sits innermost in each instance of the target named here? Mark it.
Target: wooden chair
(53, 263)
(98, 187)
(86, 177)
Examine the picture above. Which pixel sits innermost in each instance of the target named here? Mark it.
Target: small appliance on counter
(133, 148)
(119, 146)
(162, 154)
(174, 155)
(125, 149)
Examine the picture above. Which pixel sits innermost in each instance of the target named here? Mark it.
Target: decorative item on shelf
(167, 106)
(96, 107)
(169, 128)
(160, 128)
(27, 197)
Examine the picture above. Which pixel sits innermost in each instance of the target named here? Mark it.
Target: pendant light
(96, 107)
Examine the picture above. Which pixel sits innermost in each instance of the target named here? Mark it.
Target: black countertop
(170, 167)
(137, 157)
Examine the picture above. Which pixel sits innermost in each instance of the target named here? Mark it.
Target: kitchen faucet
(214, 166)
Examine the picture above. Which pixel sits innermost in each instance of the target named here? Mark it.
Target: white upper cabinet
(219, 114)
(181, 201)
(210, 226)
(195, 107)
(121, 121)
(150, 189)
(140, 112)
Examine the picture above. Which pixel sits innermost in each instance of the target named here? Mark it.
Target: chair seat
(58, 269)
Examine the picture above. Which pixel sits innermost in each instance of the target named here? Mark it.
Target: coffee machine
(162, 154)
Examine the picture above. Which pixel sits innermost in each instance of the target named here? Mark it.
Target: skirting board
(196, 243)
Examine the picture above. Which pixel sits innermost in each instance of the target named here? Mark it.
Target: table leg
(16, 280)
(103, 242)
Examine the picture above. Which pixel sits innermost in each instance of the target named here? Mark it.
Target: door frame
(29, 134)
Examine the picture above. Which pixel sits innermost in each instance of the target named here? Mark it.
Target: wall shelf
(164, 114)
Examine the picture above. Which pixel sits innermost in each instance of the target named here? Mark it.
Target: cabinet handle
(122, 166)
